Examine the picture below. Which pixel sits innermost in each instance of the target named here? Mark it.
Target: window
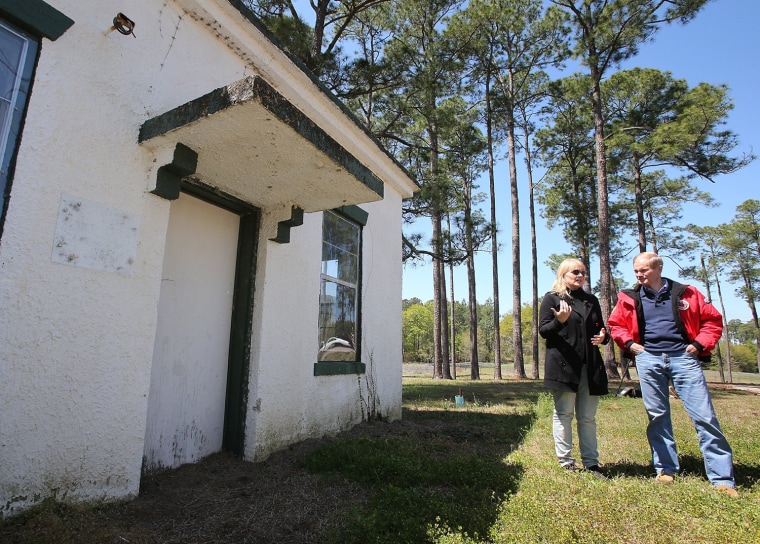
(18, 52)
(339, 289)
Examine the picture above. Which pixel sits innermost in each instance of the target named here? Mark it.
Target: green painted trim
(167, 183)
(212, 195)
(334, 368)
(355, 213)
(169, 176)
(255, 88)
(238, 370)
(283, 227)
(37, 16)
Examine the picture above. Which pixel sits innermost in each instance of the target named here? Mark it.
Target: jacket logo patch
(683, 305)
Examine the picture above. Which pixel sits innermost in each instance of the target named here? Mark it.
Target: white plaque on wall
(91, 235)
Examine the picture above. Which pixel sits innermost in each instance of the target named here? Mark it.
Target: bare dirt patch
(218, 500)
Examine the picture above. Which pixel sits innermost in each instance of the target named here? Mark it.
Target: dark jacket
(568, 344)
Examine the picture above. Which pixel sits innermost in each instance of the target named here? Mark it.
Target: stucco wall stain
(11, 504)
(188, 445)
(70, 489)
(91, 235)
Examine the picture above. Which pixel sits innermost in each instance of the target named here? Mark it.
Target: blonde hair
(651, 258)
(560, 286)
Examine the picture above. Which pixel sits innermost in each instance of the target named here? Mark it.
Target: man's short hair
(654, 260)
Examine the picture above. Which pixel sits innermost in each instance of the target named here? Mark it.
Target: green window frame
(23, 24)
(19, 52)
(339, 328)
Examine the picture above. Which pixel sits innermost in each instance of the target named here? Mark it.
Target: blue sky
(720, 46)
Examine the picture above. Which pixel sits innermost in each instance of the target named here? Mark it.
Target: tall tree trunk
(453, 332)
(471, 291)
(653, 231)
(473, 304)
(706, 276)
(494, 244)
(440, 329)
(519, 364)
(445, 368)
(749, 289)
(756, 322)
(753, 310)
(639, 199)
(320, 17)
(533, 256)
(725, 318)
(603, 208)
(437, 276)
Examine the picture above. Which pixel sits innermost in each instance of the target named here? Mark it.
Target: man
(669, 328)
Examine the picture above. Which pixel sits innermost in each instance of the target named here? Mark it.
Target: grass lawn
(489, 474)
(484, 473)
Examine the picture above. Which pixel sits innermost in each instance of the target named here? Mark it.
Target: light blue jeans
(655, 370)
(584, 406)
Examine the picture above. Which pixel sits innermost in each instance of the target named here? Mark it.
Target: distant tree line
(417, 334)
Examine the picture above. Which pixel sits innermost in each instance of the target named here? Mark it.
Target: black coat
(568, 344)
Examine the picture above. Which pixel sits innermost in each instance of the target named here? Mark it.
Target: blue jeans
(584, 406)
(655, 370)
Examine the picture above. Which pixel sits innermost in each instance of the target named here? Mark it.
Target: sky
(720, 46)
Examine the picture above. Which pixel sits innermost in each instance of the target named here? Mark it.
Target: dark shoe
(596, 470)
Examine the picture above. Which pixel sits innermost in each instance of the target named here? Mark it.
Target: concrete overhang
(254, 144)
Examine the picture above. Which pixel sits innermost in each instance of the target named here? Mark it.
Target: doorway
(196, 403)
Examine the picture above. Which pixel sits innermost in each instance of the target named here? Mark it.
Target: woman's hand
(564, 311)
(599, 338)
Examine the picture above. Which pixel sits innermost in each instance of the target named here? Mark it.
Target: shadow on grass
(725, 391)
(746, 475)
(446, 467)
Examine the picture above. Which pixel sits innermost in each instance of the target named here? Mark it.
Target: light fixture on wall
(123, 25)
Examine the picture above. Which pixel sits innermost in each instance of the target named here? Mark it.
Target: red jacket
(699, 322)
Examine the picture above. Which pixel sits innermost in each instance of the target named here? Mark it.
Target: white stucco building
(199, 248)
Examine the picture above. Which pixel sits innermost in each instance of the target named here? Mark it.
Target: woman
(571, 321)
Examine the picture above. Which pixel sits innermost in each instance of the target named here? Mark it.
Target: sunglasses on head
(578, 272)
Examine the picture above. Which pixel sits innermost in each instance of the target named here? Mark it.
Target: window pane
(340, 232)
(340, 249)
(11, 49)
(337, 322)
(339, 264)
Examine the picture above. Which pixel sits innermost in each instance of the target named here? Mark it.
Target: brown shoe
(726, 490)
(664, 478)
